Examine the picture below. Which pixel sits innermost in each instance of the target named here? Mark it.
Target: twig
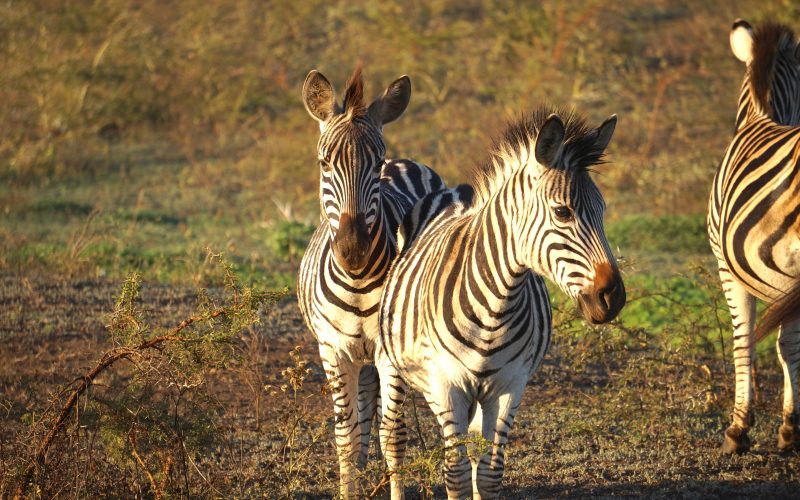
(108, 359)
(385, 479)
(134, 449)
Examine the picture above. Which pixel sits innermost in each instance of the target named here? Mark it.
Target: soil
(604, 427)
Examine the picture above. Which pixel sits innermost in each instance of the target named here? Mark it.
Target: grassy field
(150, 138)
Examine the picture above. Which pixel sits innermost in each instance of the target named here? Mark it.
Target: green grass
(647, 234)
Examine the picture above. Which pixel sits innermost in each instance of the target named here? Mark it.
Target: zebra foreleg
(393, 431)
(343, 377)
(451, 408)
(498, 418)
(368, 390)
(788, 344)
(742, 307)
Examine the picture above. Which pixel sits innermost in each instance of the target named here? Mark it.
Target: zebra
(465, 314)
(753, 214)
(363, 198)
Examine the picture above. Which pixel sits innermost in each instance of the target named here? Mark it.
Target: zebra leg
(451, 407)
(475, 427)
(742, 307)
(368, 390)
(343, 376)
(498, 417)
(393, 431)
(789, 355)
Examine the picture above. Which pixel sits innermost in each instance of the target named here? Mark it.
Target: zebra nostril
(607, 296)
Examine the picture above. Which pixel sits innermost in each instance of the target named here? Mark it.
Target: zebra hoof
(736, 441)
(788, 438)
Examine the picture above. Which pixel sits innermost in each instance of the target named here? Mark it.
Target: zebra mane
(513, 149)
(770, 41)
(354, 94)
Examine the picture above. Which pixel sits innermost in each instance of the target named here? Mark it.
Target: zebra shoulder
(439, 204)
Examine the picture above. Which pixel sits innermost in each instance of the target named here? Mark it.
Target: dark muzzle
(606, 299)
(351, 243)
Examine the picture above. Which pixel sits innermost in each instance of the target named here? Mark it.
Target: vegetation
(135, 135)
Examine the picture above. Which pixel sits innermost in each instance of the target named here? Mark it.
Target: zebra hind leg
(788, 345)
(742, 307)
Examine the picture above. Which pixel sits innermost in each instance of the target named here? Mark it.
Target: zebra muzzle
(352, 242)
(607, 297)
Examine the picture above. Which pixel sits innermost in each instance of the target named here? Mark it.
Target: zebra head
(772, 81)
(351, 154)
(567, 240)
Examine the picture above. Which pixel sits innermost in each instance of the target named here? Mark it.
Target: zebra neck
(749, 110)
(494, 248)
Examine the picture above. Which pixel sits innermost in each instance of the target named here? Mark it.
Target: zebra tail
(785, 309)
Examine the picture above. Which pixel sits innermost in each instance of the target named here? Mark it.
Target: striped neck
(494, 242)
(773, 94)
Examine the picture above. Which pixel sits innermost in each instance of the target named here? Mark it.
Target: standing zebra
(465, 315)
(363, 197)
(753, 213)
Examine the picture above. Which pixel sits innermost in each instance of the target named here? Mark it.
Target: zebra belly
(424, 364)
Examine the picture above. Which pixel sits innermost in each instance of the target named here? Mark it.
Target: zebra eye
(325, 166)
(562, 213)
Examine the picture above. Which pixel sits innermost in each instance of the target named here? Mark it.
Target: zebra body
(324, 286)
(753, 224)
(363, 198)
(465, 314)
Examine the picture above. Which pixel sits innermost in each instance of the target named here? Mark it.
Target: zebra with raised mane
(753, 224)
(465, 315)
(363, 198)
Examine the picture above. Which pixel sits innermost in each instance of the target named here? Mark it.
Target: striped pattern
(753, 223)
(363, 197)
(465, 314)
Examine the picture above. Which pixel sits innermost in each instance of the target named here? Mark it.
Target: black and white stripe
(465, 315)
(753, 223)
(363, 198)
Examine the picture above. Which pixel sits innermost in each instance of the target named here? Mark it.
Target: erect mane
(770, 41)
(515, 148)
(354, 94)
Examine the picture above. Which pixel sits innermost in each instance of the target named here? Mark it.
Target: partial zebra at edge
(754, 221)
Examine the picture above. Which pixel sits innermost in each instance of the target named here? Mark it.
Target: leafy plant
(160, 415)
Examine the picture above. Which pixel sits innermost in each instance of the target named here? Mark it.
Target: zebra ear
(319, 97)
(742, 40)
(549, 141)
(605, 132)
(392, 103)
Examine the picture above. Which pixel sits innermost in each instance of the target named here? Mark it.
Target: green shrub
(664, 234)
(287, 240)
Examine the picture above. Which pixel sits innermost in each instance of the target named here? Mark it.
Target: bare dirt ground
(596, 421)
